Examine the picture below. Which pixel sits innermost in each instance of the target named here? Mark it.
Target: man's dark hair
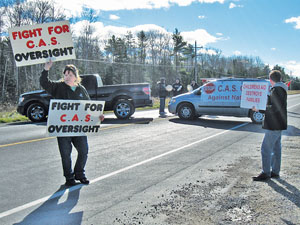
(275, 75)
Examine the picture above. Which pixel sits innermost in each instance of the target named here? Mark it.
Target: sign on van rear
(222, 93)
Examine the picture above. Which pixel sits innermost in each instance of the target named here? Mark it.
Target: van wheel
(36, 112)
(257, 117)
(186, 111)
(123, 109)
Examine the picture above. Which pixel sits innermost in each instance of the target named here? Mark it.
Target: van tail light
(146, 90)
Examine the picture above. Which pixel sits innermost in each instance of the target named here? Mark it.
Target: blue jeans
(65, 149)
(162, 103)
(271, 152)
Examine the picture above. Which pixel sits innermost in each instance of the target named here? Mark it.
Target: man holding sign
(69, 88)
(275, 121)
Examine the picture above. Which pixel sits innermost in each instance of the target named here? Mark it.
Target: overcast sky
(269, 29)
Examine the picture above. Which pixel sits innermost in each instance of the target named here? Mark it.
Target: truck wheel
(257, 117)
(123, 109)
(186, 111)
(36, 112)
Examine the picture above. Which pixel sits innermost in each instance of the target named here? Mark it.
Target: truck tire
(36, 112)
(257, 117)
(123, 109)
(186, 111)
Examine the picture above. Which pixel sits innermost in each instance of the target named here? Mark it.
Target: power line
(149, 65)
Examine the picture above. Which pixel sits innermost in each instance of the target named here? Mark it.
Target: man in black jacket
(275, 121)
(162, 93)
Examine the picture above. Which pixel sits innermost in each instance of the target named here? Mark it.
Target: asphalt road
(130, 165)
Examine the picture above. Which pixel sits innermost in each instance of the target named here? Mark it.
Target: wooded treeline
(141, 57)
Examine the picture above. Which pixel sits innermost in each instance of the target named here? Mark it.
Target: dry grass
(293, 92)
(9, 114)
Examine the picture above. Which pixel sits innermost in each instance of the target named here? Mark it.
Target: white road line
(293, 106)
(60, 193)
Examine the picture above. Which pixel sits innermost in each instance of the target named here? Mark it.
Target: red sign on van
(209, 88)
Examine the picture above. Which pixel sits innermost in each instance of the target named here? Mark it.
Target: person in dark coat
(194, 85)
(69, 88)
(177, 87)
(162, 93)
(275, 121)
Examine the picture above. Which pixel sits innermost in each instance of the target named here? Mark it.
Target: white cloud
(74, 7)
(237, 52)
(292, 66)
(211, 1)
(104, 32)
(207, 51)
(182, 2)
(114, 17)
(294, 20)
(201, 36)
(201, 17)
(232, 5)
(273, 49)
(219, 34)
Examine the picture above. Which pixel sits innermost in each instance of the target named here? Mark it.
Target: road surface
(136, 168)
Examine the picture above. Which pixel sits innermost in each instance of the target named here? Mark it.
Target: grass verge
(11, 116)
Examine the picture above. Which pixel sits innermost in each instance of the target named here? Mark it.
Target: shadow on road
(227, 124)
(292, 131)
(286, 189)
(53, 212)
(26, 123)
(288, 222)
(208, 123)
(130, 120)
(293, 114)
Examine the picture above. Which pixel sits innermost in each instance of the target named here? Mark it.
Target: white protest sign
(74, 117)
(254, 94)
(38, 43)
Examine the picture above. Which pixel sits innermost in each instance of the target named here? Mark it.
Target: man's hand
(48, 65)
(255, 109)
(101, 118)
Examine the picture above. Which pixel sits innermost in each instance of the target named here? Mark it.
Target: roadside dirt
(234, 198)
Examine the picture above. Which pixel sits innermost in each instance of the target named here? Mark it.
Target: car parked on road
(221, 97)
(121, 98)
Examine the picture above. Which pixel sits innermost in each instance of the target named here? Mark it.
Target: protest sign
(38, 43)
(254, 94)
(74, 117)
(222, 93)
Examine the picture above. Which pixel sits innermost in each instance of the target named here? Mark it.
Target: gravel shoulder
(224, 193)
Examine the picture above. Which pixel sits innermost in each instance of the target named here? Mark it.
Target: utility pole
(196, 72)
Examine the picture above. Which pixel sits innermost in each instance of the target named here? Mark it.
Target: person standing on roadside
(69, 88)
(177, 87)
(194, 85)
(275, 121)
(162, 93)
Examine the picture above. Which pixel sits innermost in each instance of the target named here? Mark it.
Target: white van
(220, 97)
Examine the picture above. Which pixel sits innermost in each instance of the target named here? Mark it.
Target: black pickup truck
(122, 98)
